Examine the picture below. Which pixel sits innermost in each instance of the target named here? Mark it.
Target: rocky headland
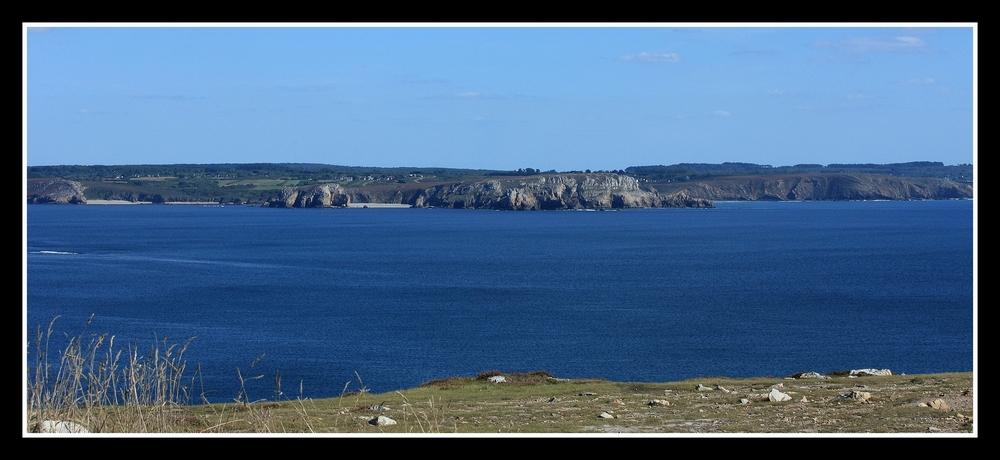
(55, 191)
(504, 192)
(820, 187)
(540, 192)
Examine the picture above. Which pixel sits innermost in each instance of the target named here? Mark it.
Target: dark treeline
(231, 171)
(691, 171)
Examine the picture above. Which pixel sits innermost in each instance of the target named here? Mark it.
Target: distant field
(262, 184)
(156, 179)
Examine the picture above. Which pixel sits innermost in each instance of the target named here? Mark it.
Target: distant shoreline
(150, 202)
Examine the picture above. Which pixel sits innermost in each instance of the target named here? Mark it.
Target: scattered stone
(777, 396)
(803, 399)
(870, 372)
(940, 404)
(860, 386)
(862, 396)
(778, 385)
(498, 379)
(744, 401)
(587, 394)
(382, 420)
(59, 426)
(810, 375)
(553, 399)
(618, 402)
(659, 402)
(606, 415)
(701, 387)
(722, 389)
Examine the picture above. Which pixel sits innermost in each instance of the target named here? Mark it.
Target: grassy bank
(110, 388)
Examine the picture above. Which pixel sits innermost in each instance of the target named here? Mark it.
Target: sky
(574, 97)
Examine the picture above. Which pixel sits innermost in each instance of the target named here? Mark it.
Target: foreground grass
(538, 403)
(102, 388)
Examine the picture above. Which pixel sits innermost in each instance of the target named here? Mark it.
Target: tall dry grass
(104, 387)
(107, 388)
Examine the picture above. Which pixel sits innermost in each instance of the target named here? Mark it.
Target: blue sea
(398, 297)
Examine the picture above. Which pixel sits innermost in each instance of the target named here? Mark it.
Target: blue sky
(564, 98)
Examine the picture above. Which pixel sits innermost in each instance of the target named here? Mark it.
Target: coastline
(106, 202)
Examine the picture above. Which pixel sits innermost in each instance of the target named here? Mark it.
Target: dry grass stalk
(92, 387)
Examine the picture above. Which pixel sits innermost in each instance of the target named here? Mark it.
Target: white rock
(775, 396)
(59, 426)
(863, 372)
(940, 404)
(498, 379)
(812, 375)
(382, 420)
(862, 396)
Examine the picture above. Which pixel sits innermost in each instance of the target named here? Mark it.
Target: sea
(339, 300)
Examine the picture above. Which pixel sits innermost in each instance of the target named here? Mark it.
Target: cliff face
(559, 191)
(543, 192)
(55, 191)
(822, 187)
(312, 196)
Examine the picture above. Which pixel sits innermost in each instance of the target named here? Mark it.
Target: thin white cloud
(723, 113)
(918, 81)
(652, 57)
(877, 44)
(308, 88)
(859, 96)
(753, 53)
(166, 97)
(774, 92)
(413, 79)
(467, 96)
